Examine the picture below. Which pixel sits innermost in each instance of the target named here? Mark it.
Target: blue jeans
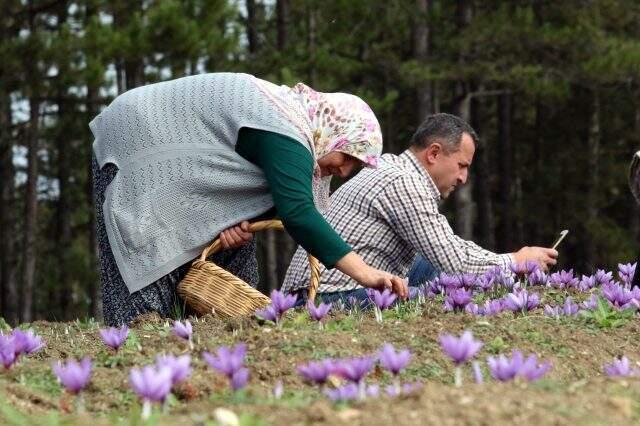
(421, 271)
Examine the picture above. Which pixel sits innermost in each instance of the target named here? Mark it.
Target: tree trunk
(505, 171)
(93, 288)
(482, 172)
(252, 33)
(8, 285)
(282, 12)
(31, 213)
(593, 178)
(421, 33)
(463, 196)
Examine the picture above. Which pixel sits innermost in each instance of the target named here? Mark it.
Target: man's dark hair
(445, 129)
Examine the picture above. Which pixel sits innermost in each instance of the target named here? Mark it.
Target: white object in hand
(560, 238)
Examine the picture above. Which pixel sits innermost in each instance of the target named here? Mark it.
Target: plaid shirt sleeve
(413, 211)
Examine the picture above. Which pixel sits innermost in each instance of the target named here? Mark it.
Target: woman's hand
(236, 236)
(353, 265)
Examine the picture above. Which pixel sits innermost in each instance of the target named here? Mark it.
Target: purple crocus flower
(74, 376)
(563, 279)
(591, 303)
(570, 308)
(457, 299)
(525, 268)
(603, 277)
(538, 278)
(8, 352)
(282, 302)
(484, 284)
(343, 393)
(493, 307)
(474, 309)
(521, 301)
(620, 368)
(180, 366)
(354, 369)
(26, 342)
(504, 369)
(239, 379)
(467, 281)
(114, 337)
(392, 360)
(183, 330)
(319, 312)
(228, 360)
(316, 371)
(382, 299)
(460, 349)
(552, 311)
(587, 282)
(151, 384)
(268, 314)
(626, 272)
(446, 281)
(619, 296)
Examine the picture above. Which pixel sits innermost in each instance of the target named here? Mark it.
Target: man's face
(448, 170)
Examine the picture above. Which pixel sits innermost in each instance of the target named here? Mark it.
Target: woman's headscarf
(331, 122)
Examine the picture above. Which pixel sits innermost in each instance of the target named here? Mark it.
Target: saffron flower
(587, 282)
(538, 278)
(522, 301)
(392, 360)
(319, 312)
(151, 384)
(347, 392)
(467, 281)
(505, 369)
(591, 303)
(493, 307)
(619, 296)
(280, 304)
(7, 351)
(239, 379)
(563, 279)
(626, 272)
(524, 269)
(180, 366)
(620, 368)
(381, 299)
(457, 299)
(316, 371)
(354, 369)
(183, 330)
(230, 362)
(603, 277)
(73, 375)
(460, 350)
(26, 342)
(114, 337)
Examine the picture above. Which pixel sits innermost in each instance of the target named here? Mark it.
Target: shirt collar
(410, 160)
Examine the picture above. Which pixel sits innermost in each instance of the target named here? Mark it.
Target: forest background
(552, 87)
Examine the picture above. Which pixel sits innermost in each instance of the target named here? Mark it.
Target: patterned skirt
(119, 306)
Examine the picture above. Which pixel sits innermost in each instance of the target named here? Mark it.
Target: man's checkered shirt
(388, 215)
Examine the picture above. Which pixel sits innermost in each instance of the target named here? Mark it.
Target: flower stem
(146, 409)
(362, 394)
(458, 376)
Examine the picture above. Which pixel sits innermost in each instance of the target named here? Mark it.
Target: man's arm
(413, 212)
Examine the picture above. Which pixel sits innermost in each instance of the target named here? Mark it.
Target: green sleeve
(288, 168)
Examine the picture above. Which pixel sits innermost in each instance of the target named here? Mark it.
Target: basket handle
(314, 264)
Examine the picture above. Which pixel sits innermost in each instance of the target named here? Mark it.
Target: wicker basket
(207, 288)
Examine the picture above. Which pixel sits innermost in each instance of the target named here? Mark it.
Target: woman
(178, 162)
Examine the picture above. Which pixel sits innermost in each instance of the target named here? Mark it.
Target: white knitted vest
(180, 181)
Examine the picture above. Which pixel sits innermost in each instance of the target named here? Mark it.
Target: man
(390, 214)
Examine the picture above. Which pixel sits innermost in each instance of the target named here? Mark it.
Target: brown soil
(575, 390)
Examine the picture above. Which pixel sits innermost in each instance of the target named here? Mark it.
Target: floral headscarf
(342, 122)
(331, 122)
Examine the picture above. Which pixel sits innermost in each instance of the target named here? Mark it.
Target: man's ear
(432, 152)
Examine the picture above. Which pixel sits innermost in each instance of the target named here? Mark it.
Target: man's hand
(546, 257)
(236, 236)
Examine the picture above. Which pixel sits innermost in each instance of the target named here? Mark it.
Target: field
(574, 391)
